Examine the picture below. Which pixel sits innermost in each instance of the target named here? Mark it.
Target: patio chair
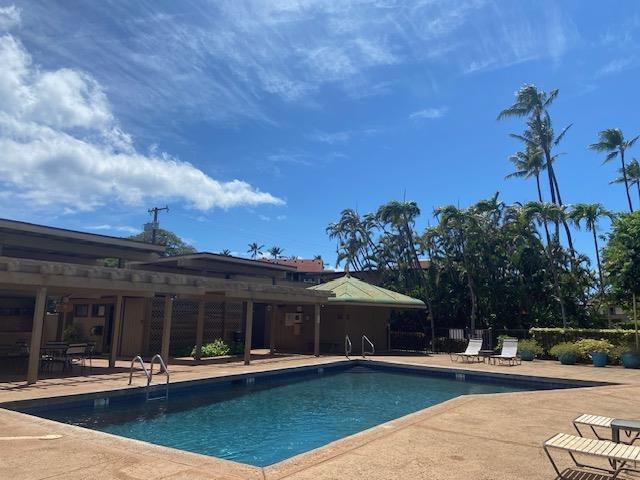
(621, 457)
(509, 353)
(472, 353)
(75, 351)
(595, 422)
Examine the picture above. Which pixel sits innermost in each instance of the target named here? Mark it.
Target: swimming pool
(266, 419)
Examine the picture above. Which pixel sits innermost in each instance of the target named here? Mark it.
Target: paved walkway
(478, 437)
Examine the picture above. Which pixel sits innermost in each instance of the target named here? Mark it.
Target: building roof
(349, 290)
(301, 264)
(29, 240)
(222, 259)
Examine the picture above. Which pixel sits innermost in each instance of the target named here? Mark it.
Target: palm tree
(255, 250)
(528, 163)
(590, 213)
(539, 134)
(226, 252)
(543, 213)
(633, 175)
(275, 252)
(612, 140)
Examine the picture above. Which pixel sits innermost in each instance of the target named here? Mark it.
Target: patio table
(630, 427)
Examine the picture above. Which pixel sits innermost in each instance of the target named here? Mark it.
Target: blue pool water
(271, 420)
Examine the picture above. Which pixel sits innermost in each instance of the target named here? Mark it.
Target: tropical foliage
(173, 243)
(501, 265)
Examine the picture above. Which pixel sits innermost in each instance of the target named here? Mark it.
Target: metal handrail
(164, 370)
(162, 364)
(144, 369)
(373, 348)
(347, 346)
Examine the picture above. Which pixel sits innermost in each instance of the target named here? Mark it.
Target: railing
(347, 346)
(164, 370)
(149, 374)
(373, 348)
(144, 369)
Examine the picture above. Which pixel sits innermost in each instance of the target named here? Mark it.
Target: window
(98, 310)
(81, 310)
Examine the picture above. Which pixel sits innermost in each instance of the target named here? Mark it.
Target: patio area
(490, 437)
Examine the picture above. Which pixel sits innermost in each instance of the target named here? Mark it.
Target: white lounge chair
(472, 353)
(509, 353)
(621, 457)
(595, 422)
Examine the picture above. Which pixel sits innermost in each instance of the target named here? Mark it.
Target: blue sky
(260, 121)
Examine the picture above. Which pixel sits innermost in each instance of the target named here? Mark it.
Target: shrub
(587, 346)
(217, 348)
(530, 345)
(548, 337)
(566, 348)
(72, 334)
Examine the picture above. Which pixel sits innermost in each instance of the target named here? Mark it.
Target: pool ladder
(373, 348)
(347, 346)
(149, 374)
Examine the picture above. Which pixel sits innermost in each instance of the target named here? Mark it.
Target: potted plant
(528, 349)
(566, 352)
(629, 356)
(597, 350)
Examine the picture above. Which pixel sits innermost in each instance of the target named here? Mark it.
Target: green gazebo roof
(351, 291)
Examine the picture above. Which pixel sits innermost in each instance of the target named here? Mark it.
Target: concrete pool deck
(485, 437)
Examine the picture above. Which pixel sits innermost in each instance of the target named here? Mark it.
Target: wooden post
(116, 328)
(247, 332)
(273, 318)
(36, 335)
(166, 328)
(200, 329)
(316, 334)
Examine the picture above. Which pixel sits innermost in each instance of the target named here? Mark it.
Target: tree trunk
(626, 182)
(474, 302)
(564, 221)
(604, 300)
(540, 190)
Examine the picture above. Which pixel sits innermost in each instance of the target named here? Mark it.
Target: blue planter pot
(568, 358)
(630, 360)
(599, 359)
(527, 356)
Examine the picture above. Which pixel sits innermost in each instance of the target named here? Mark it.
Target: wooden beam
(36, 335)
(247, 332)
(200, 329)
(166, 328)
(273, 318)
(316, 331)
(116, 328)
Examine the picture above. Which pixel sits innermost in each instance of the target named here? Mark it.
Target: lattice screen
(220, 321)
(233, 320)
(183, 327)
(213, 322)
(155, 329)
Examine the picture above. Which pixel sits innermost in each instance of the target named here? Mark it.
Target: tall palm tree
(528, 163)
(533, 103)
(226, 252)
(275, 252)
(612, 140)
(590, 213)
(255, 249)
(633, 175)
(543, 213)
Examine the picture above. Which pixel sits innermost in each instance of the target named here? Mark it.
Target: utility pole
(154, 227)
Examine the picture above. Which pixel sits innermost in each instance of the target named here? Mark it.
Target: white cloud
(616, 66)
(114, 228)
(429, 113)
(9, 17)
(61, 146)
(227, 60)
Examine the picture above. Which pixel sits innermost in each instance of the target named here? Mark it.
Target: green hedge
(548, 337)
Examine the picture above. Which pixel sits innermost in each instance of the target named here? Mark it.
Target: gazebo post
(247, 332)
(316, 332)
